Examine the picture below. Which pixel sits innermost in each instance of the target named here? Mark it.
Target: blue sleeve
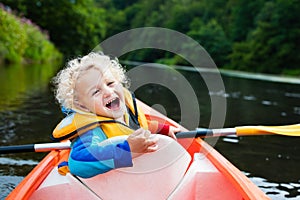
(88, 159)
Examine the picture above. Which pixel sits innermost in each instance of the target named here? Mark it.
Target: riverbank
(24, 42)
(230, 73)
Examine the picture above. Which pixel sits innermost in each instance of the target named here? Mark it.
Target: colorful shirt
(88, 157)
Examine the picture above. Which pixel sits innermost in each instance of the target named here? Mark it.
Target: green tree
(241, 18)
(22, 41)
(212, 37)
(273, 47)
(116, 4)
(260, 35)
(12, 38)
(75, 26)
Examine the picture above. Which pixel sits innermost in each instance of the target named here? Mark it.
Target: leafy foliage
(75, 26)
(22, 41)
(12, 37)
(273, 46)
(261, 35)
(214, 38)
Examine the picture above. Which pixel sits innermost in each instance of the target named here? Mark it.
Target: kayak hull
(198, 172)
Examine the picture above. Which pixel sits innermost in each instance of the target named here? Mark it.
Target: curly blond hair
(65, 80)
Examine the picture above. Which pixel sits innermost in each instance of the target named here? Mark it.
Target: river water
(28, 114)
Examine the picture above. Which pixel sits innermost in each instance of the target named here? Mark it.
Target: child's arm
(88, 159)
(164, 129)
(172, 131)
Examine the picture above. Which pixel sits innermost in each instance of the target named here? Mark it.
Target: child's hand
(172, 131)
(141, 141)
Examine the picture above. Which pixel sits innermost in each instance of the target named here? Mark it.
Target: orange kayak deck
(209, 176)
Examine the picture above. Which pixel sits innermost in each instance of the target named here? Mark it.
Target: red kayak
(184, 169)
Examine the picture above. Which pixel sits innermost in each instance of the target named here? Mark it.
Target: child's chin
(117, 113)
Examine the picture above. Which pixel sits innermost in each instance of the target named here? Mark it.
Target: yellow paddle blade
(288, 130)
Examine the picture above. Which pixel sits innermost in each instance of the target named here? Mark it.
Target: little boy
(93, 89)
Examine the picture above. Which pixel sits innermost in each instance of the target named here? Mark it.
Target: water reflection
(26, 103)
(277, 191)
(17, 81)
(8, 183)
(10, 161)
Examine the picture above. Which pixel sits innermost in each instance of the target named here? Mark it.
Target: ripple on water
(293, 95)
(10, 161)
(7, 184)
(278, 191)
(231, 139)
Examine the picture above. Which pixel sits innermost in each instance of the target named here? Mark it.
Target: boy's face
(98, 91)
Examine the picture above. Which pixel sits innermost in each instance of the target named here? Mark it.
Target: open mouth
(113, 104)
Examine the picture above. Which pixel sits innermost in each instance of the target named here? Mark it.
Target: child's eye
(96, 92)
(111, 83)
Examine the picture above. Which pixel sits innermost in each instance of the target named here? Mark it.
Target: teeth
(110, 101)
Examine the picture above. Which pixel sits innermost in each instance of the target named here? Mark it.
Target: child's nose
(107, 91)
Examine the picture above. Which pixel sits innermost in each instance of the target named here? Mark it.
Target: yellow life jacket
(77, 123)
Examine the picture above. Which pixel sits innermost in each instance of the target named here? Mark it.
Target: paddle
(35, 147)
(288, 130)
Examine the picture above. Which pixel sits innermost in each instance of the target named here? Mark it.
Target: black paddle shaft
(199, 132)
(17, 149)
